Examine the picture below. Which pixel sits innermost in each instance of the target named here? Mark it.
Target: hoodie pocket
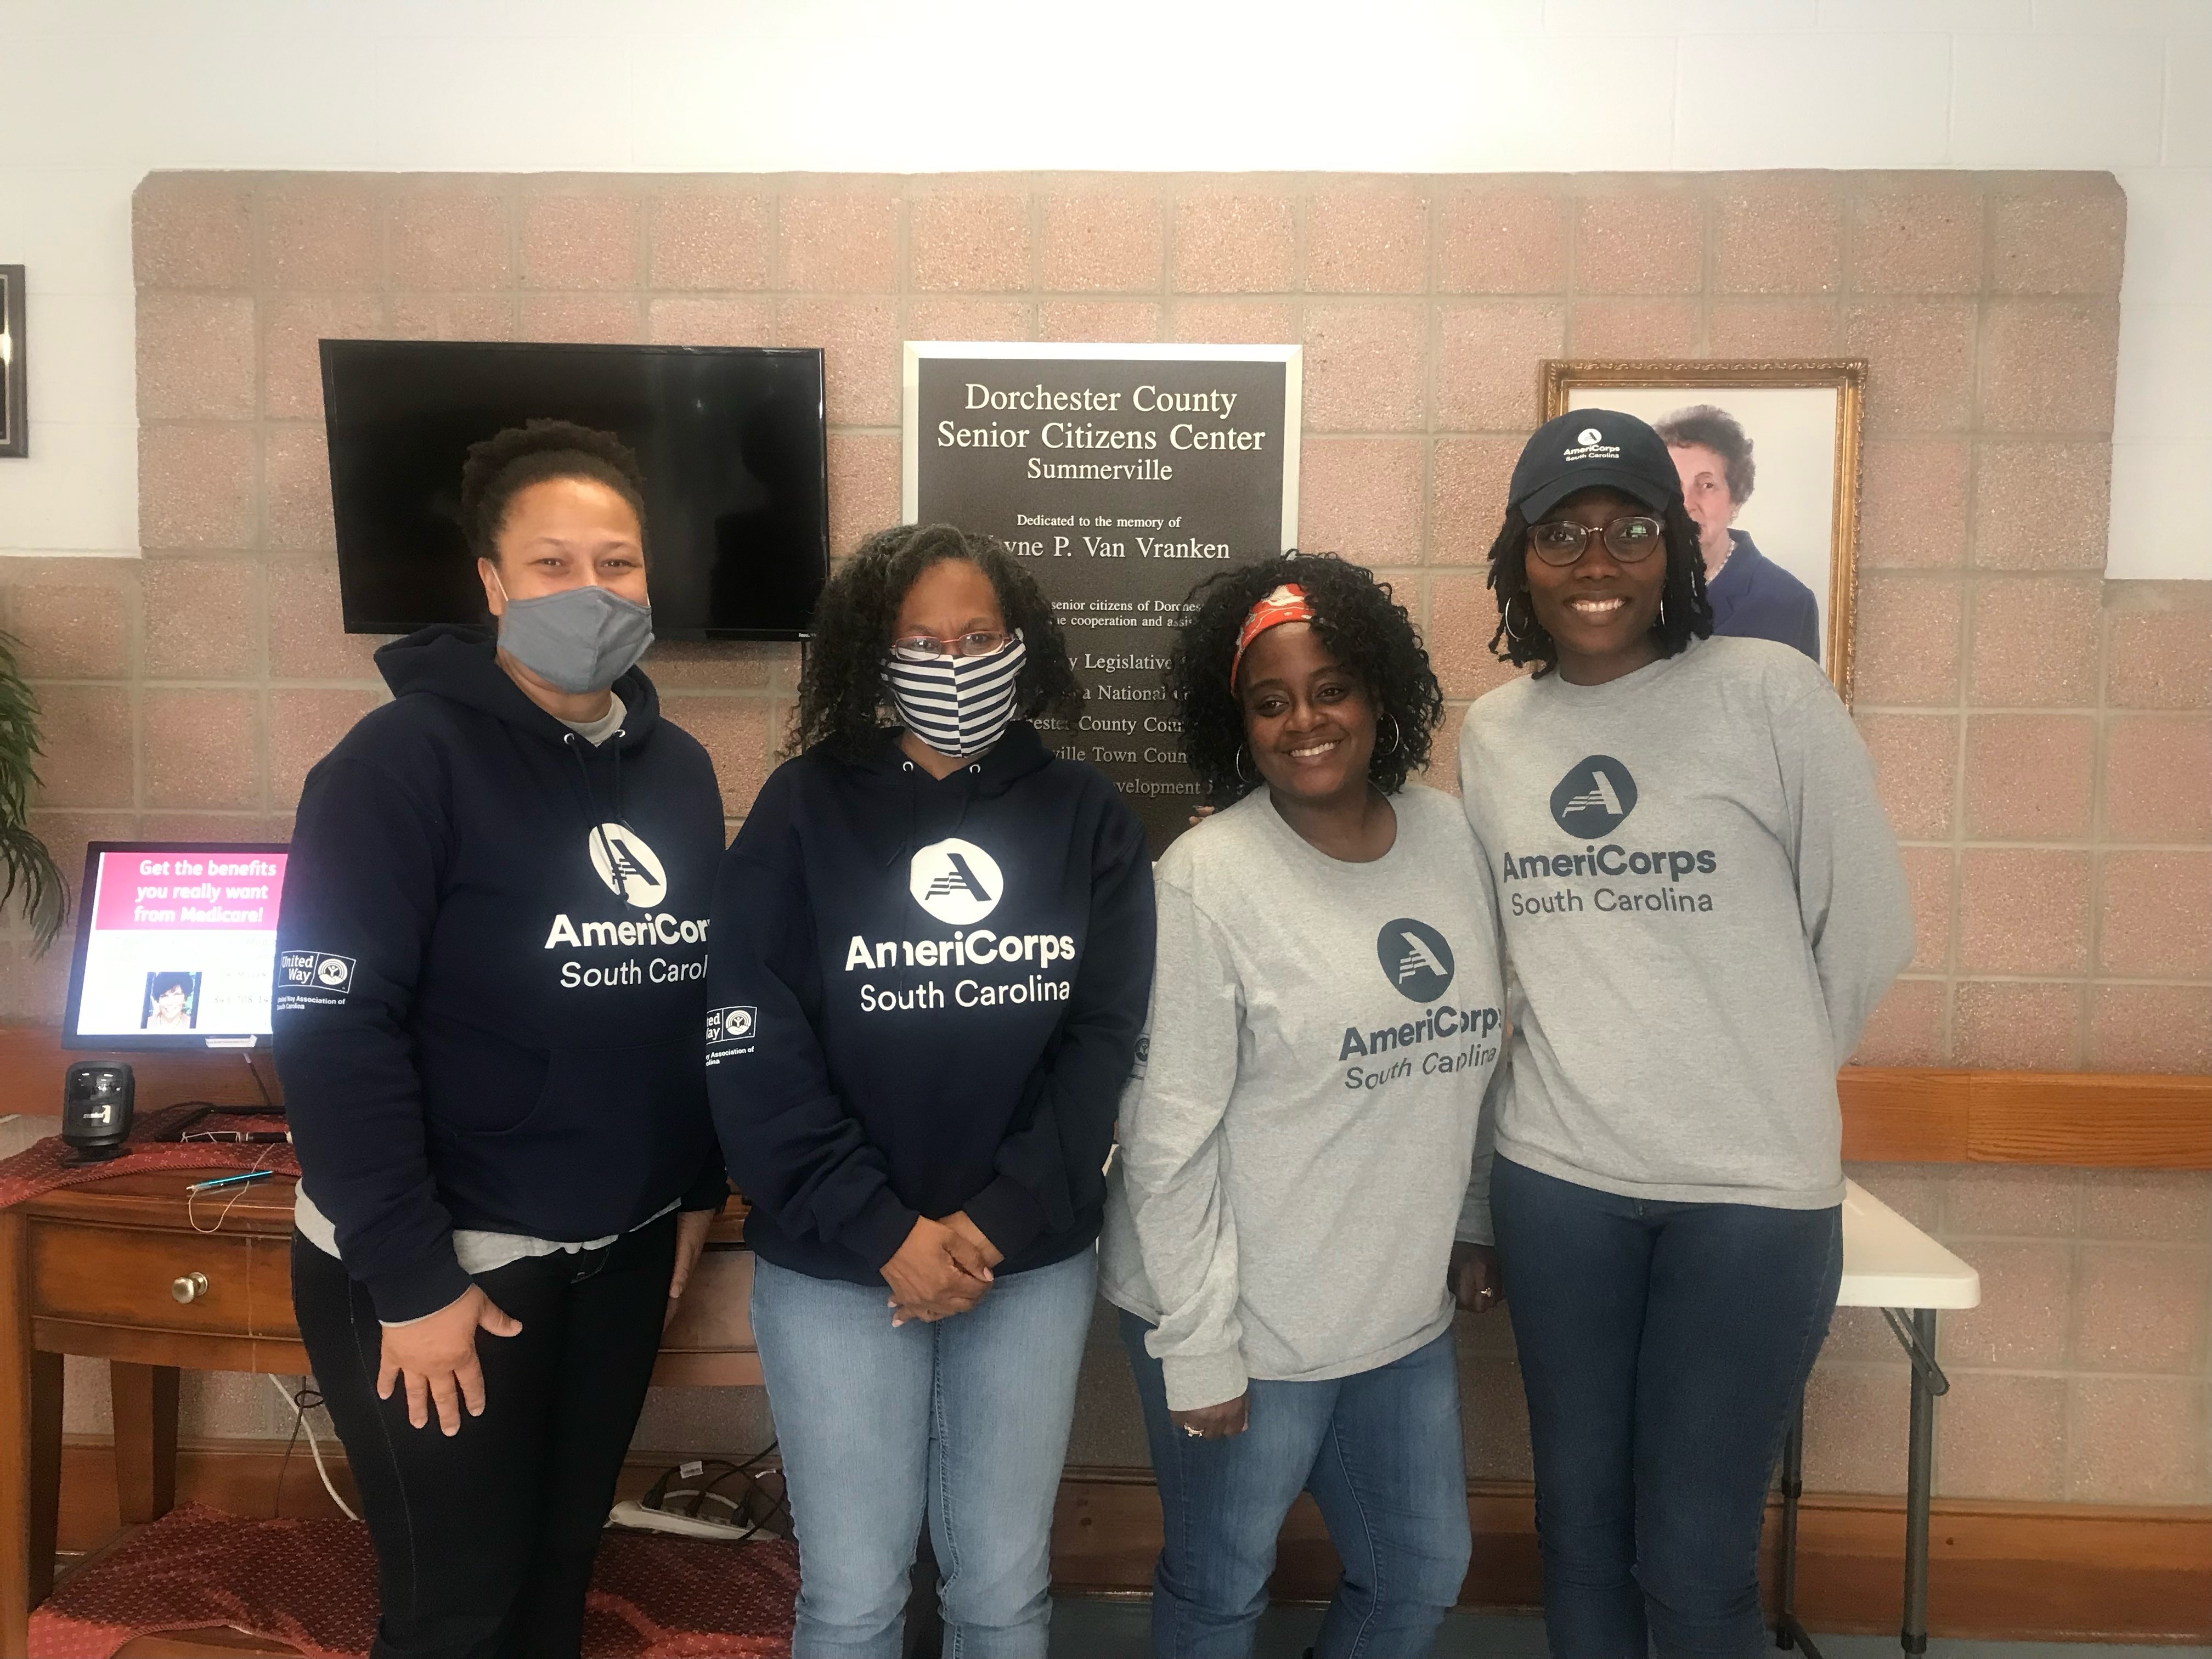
(610, 1129)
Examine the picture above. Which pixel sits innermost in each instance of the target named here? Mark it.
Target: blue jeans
(1380, 1452)
(1663, 1347)
(967, 1418)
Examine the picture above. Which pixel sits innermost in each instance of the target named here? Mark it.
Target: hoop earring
(1396, 736)
(1662, 610)
(1249, 783)
(1505, 614)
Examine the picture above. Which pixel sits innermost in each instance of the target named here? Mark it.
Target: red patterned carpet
(312, 1584)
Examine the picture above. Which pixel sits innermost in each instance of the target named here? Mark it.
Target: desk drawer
(124, 1275)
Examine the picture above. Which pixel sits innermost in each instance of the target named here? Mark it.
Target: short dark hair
(1710, 425)
(1363, 625)
(1685, 612)
(841, 690)
(501, 467)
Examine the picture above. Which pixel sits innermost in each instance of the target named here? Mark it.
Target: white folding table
(1889, 1264)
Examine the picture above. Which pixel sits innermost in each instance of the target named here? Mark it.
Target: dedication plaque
(1122, 475)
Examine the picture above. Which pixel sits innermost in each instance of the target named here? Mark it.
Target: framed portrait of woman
(1768, 453)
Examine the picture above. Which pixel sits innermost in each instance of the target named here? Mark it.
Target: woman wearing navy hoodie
(491, 973)
(933, 952)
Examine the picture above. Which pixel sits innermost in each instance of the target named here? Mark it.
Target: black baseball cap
(1594, 449)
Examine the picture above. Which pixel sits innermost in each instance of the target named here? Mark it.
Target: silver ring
(1195, 1434)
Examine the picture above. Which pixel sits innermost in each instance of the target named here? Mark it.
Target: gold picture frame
(1566, 383)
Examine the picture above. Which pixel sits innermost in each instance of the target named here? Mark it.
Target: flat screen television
(730, 439)
(176, 946)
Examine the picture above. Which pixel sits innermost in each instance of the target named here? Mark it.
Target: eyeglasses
(1558, 542)
(926, 647)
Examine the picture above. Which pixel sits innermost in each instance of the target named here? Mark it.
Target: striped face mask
(958, 705)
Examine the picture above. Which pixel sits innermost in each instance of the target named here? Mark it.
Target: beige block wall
(2044, 737)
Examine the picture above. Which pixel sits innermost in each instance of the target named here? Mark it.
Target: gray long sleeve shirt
(1296, 1147)
(1701, 901)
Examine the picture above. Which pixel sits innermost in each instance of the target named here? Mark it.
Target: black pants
(485, 1539)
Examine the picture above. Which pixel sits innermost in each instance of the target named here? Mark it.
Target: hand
(690, 1238)
(1199, 814)
(436, 1359)
(975, 1253)
(926, 1279)
(1476, 1284)
(1221, 1422)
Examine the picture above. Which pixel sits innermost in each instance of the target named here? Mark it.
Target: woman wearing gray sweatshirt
(1701, 901)
(1296, 1151)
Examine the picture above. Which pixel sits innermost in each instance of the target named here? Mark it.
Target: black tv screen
(730, 439)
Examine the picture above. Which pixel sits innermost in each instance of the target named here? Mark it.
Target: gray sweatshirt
(1701, 901)
(1297, 1146)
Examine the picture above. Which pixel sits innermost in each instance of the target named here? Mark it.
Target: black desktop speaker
(97, 1101)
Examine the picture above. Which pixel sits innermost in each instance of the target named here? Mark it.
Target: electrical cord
(303, 1399)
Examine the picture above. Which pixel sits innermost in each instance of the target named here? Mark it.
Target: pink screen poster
(181, 943)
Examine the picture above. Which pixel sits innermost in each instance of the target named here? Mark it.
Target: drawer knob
(189, 1287)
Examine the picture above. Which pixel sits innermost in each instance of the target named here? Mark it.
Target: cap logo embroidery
(1589, 435)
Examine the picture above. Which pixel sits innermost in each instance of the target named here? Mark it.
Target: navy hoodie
(490, 971)
(925, 997)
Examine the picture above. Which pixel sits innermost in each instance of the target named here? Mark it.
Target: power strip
(631, 1513)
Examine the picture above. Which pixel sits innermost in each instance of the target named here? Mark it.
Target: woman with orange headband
(1290, 1219)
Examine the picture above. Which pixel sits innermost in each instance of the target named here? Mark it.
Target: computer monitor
(176, 945)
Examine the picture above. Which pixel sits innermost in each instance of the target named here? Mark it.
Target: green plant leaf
(28, 875)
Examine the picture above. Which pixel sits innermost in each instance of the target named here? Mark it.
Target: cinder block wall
(2043, 735)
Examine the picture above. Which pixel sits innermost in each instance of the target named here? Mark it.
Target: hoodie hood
(905, 787)
(460, 661)
(1017, 753)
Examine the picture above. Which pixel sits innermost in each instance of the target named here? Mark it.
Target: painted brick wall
(2043, 736)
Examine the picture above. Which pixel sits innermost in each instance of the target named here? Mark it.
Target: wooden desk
(90, 1270)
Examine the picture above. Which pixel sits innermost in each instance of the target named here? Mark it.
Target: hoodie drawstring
(621, 817)
(596, 827)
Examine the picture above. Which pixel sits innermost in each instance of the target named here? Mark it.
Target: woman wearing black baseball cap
(1701, 901)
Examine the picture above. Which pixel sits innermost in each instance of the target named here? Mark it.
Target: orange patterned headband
(1287, 604)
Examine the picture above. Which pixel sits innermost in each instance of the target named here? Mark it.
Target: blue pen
(231, 1180)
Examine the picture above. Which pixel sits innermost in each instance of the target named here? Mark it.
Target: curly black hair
(841, 701)
(1363, 626)
(1685, 613)
(501, 467)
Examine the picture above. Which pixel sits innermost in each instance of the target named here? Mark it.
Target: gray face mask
(581, 638)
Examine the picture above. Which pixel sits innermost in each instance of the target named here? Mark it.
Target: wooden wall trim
(2011, 1571)
(1902, 1114)
(1927, 1115)
(2015, 1572)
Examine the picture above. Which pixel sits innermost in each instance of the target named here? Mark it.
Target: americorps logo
(1415, 959)
(1589, 435)
(1595, 798)
(956, 881)
(630, 869)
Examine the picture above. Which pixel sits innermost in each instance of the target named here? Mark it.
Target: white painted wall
(95, 94)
